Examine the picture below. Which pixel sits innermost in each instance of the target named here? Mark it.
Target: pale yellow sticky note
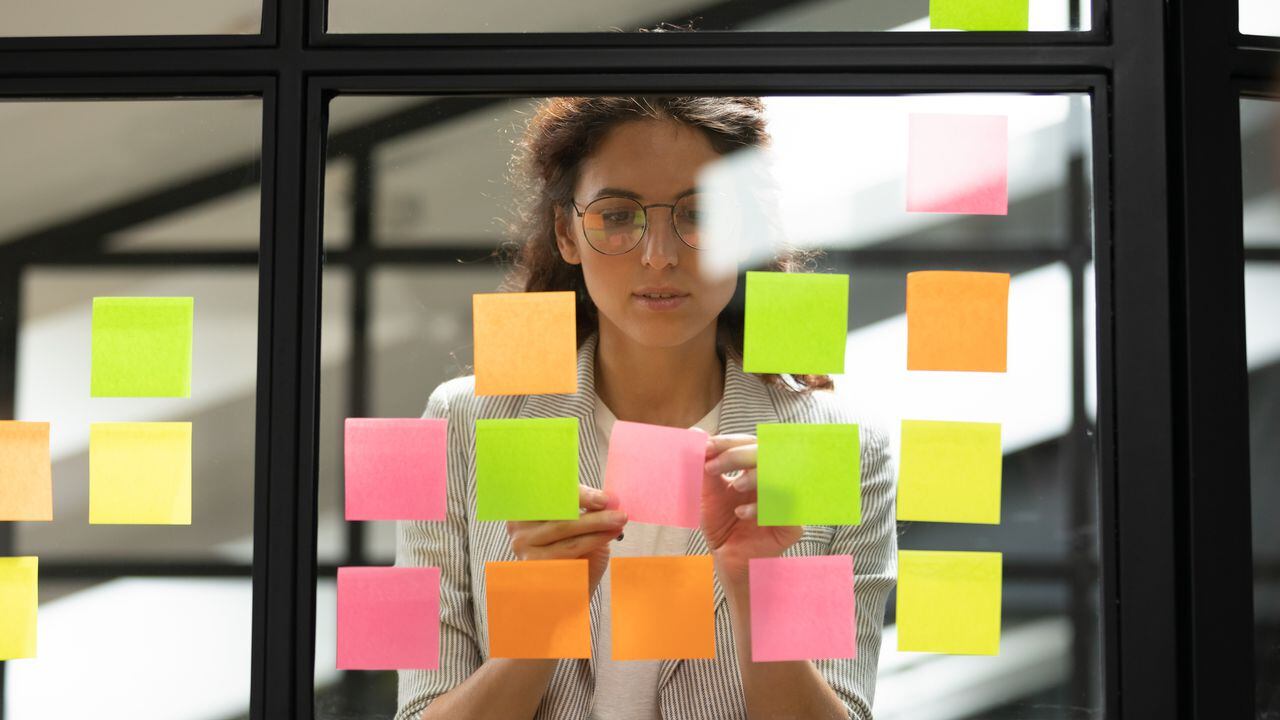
(949, 602)
(525, 343)
(19, 598)
(950, 472)
(140, 473)
(26, 483)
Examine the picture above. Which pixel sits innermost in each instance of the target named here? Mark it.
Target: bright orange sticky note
(663, 608)
(526, 343)
(957, 321)
(26, 481)
(538, 609)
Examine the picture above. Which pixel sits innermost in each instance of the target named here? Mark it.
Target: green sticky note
(950, 472)
(796, 323)
(808, 474)
(141, 347)
(949, 602)
(978, 14)
(527, 469)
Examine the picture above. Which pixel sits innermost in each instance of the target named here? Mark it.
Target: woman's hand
(587, 537)
(729, 508)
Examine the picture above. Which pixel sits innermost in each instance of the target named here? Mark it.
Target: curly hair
(561, 133)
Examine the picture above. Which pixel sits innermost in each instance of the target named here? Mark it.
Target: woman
(659, 343)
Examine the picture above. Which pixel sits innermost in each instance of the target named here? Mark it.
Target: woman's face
(654, 161)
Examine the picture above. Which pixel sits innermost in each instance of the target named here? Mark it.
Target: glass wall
(57, 18)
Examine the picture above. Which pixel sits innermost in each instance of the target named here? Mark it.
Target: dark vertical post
(10, 316)
(358, 368)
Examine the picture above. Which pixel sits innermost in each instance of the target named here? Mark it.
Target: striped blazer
(687, 689)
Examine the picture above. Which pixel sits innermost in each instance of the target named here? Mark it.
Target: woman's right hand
(586, 537)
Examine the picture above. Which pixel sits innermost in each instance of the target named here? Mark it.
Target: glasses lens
(613, 225)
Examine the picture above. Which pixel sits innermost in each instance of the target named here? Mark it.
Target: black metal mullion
(358, 368)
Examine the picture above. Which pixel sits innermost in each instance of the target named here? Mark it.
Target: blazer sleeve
(443, 545)
(874, 547)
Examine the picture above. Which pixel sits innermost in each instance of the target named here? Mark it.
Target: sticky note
(527, 469)
(949, 602)
(395, 468)
(808, 474)
(526, 343)
(388, 618)
(26, 478)
(950, 472)
(662, 608)
(958, 164)
(19, 598)
(795, 323)
(979, 14)
(140, 473)
(141, 347)
(957, 321)
(538, 609)
(656, 472)
(802, 608)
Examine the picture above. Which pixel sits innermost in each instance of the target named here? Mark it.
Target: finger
(744, 483)
(553, 531)
(746, 512)
(576, 546)
(591, 498)
(717, 444)
(739, 457)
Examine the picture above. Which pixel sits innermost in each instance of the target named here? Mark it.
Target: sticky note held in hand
(802, 608)
(19, 598)
(141, 347)
(662, 608)
(525, 343)
(538, 609)
(26, 478)
(1009, 15)
(958, 164)
(950, 472)
(795, 322)
(388, 618)
(949, 602)
(957, 321)
(140, 473)
(527, 469)
(656, 472)
(395, 468)
(808, 474)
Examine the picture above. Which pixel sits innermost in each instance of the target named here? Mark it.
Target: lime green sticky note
(527, 469)
(795, 323)
(978, 14)
(950, 472)
(19, 598)
(141, 347)
(808, 474)
(949, 602)
(140, 473)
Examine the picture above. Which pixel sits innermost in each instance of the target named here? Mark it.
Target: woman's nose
(660, 243)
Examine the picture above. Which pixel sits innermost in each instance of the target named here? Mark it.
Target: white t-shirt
(628, 689)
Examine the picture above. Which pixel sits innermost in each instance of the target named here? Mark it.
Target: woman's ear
(565, 240)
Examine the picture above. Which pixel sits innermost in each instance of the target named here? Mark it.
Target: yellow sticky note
(19, 598)
(526, 343)
(26, 482)
(950, 472)
(949, 602)
(140, 473)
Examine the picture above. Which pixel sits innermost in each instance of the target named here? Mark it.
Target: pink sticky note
(958, 164)
(395, 468)
(388, 618)
(656, 471)
(802, 608)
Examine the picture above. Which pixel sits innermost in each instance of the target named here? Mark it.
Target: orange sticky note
(525, 343)
(662, 608)
(538, 609)
(957, 321)
(26, 480)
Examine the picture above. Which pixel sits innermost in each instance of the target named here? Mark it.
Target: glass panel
(1259, 152)
(93, 180)
(439, 191)
(1259, 17)
(495, 16)
(129, 17)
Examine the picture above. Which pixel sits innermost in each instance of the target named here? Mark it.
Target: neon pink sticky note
(958, 164)
(388, 618)
(802, 608)
(656, 471)
(395, 468)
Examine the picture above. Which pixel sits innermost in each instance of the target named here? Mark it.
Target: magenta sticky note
(802, 608)
(395, 468)
(388, 618)
(656, 472)
(958, 164)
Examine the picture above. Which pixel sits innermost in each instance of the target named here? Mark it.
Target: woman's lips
(660, 303)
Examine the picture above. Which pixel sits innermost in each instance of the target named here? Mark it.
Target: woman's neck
(673, 386)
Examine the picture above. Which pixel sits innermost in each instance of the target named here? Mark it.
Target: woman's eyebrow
(620, 192)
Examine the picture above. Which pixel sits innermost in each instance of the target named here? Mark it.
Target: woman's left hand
(729, 508)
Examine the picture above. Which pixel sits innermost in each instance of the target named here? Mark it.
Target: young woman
(659, 343)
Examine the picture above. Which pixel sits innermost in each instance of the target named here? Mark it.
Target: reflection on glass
(131, 17)
(1259, 156)
(1259, 17)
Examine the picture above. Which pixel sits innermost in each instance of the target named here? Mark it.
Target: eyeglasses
(615, 225)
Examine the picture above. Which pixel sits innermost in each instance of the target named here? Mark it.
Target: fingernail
(616, 516)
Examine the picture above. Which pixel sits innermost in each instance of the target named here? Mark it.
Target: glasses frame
(582, 222)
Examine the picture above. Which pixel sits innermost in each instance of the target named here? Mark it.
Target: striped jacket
(688, 689)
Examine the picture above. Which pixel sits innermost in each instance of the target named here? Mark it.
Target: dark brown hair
(561, 133)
